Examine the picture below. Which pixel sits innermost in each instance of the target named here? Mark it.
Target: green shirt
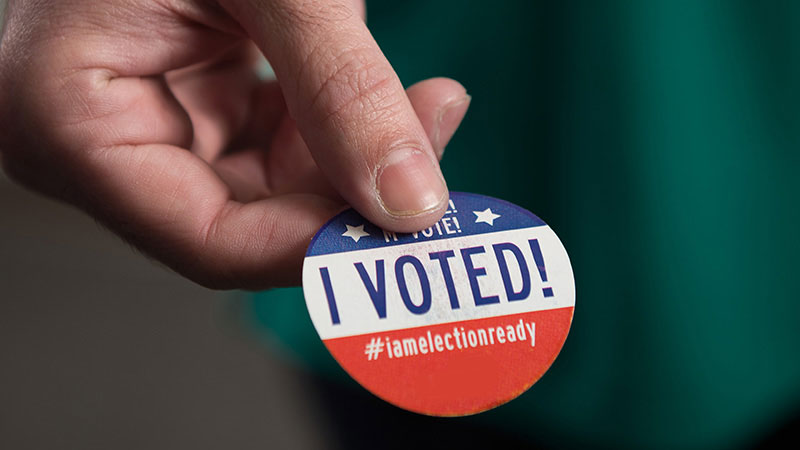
(660, 141)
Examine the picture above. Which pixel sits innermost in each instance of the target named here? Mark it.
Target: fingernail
(447, 122)
(409, 183)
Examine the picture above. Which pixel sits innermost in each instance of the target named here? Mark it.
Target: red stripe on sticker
(456, 368)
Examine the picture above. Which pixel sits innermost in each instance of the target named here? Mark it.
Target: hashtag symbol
(373, 349)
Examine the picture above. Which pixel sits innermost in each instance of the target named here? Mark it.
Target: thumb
(350, 108)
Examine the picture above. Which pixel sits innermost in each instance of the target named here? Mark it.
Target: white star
(355, 232)
(485, 216)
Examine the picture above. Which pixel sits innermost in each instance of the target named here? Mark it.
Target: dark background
(100, 348)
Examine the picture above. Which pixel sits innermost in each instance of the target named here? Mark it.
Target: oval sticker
(449, 321)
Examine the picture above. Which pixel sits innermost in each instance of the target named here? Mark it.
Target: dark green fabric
(660, 140)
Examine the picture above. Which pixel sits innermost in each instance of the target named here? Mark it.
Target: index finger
(350, 108)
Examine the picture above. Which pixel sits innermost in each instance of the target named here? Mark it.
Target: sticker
(449, 321)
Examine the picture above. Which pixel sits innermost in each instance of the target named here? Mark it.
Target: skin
(148, 115)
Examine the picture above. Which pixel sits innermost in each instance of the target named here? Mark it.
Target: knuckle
(312, 12)
(223, 255)
(356, 82)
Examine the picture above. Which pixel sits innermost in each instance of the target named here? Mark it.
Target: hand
(148, 114)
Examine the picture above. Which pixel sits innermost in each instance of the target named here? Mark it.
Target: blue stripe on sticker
(468, 214)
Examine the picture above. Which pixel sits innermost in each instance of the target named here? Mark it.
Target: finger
(350, 108)
(360, 8)
(181, 213)
(440, 103)
(218, 96)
